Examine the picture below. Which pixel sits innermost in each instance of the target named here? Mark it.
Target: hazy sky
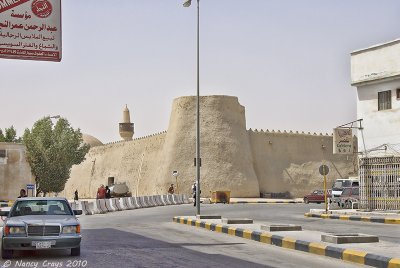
(288, 61)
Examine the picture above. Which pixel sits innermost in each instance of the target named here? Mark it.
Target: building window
(398, 93)
(384, 100)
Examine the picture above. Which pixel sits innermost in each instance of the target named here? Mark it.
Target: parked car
(40, 224)
(349, 196)
(316, 196)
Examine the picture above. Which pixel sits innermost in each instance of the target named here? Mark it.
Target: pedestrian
(22, 193)
(76, 198)
(194, 193)
(101, 192)
(108, 193)
(171, 189)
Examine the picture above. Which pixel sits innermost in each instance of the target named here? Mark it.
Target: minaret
(126, 128)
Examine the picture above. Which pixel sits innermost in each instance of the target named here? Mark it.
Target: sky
(288, 62)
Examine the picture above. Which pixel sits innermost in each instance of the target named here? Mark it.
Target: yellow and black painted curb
(267, 202)
(6, 203)
(290, 243)
(355, 218)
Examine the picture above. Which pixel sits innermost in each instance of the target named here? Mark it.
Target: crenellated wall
(133, 162)
(245, 162)
(290, 161)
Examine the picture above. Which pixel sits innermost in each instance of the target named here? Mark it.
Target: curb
(354, 218)
(266, 202)
(290, 243)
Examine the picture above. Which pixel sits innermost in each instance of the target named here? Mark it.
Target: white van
(340, 184)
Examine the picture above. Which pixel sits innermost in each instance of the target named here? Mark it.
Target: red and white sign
(30, 29)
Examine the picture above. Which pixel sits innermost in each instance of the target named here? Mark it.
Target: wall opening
(110, 181)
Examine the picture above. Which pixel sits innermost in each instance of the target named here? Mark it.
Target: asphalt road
(149, 238)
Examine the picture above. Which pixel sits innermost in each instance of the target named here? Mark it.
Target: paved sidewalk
(381, 254)
(265, 201)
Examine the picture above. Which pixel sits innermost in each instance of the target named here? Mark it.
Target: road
(149, 238)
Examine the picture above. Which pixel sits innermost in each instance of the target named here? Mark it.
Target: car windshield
(346, 183)
(346, 191)
(337, 186)
(40, 207)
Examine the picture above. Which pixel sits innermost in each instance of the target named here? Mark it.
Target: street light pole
(187, 3)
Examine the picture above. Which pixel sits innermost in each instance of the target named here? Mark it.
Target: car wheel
(318, 202)
(6, 253)
(306, 200)
(76, 251)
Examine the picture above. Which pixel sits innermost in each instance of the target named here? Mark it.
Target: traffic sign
(323, 170)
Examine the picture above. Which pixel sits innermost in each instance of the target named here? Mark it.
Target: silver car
(40, 223)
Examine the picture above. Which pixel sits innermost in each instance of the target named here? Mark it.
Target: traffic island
(237, 221)
(263, 201)
(354, 218)
(281, 227)
(208, 217)
(349, 238)
(346, 254)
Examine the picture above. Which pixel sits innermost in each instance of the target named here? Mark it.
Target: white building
(375, 71)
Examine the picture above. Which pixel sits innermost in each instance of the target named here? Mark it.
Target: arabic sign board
(30, 29)
(342, 141)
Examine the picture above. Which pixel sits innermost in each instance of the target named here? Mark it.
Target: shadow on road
(118, 249)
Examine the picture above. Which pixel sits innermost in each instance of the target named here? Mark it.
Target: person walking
(171, 189)
(108, 192)
(76, 197)
(101, 192)
(194, 193)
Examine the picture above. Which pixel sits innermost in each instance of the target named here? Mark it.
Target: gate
(380, 183)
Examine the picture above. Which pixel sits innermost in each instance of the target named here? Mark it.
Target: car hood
(42, 220)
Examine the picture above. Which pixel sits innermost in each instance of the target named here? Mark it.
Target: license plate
(43, 244)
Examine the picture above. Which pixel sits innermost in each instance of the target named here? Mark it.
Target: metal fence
(380, 183)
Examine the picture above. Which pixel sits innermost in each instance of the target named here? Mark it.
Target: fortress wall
(227, 162)
(15, 171)
(121, 160)
(234, 159)
(225, 147)
(290, 161)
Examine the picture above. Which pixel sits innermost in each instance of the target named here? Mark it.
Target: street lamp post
(187, 3)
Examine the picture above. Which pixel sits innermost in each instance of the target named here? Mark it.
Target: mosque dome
(92, 141)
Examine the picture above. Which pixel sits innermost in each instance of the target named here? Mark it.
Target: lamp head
(187, 3)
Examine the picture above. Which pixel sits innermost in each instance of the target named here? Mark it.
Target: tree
(51, 151)
(10, 135)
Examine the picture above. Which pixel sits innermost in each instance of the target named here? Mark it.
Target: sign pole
(326, 203)
(324, 170)
(177, 189)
